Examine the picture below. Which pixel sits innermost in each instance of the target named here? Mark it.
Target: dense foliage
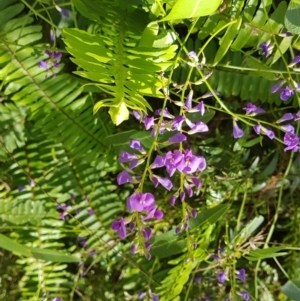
(149, 150)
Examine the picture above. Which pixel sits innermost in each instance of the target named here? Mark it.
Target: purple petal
(288, 128)
(297, 116)
(55, 64)
(173, 200)
(242, 275)
(149, 123)
(202, 164)
(237, 132)
(124, 177)
(165, 182)
(194, 213)
(276, 87)
(285, 117)
(269, 133)
(198, 127)
(196, 181)
(245, 296)
(137, 145)
(182, 196)
(158, 214)
(188, 103)
(147, 233)
(295, 61)
(65, 13)
(177, 123)
(177, 138)
(138, 201)
(165, 113)
(125, 157)
(158, 162)
(193, 55)
(44, 65)
(286, 93)
(256, 129)
(222, 277)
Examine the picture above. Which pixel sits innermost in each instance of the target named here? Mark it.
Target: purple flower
(172, 160)
(141, 295)
(21, 188)
(198, 279)
(64, 12)
(177, 138)
(256, 129)
(82, 241)
(222, 277)
(177, 123)
(196, 181)
(44, 65)
(173, 200)
(245, 296)
(189, 163)
(269, 133)
(125, 157)
(295, 61)
(137, 145)
(165, 182)
(164, 112)
(288, 128)
(133, 249)
(147, 233)
(155, 297)
(159, 161)
(202, 163)
(52, 35)
(285, 117)
(266, 49)
(297, 116)
(153, 212)
(90, 212)
(189, 189)
(139, 115)
(242, 275)
(198, 127)
(286, 93)
(252, 109)
(124, 177)
(188, 102)
(119, 226)
(237, 132)
(193, 56)
(149, 123)
(182, 196)
(139, 201)
(55, 64)
(57, 299)
(194, 213)
(291, 141)
(276, 87)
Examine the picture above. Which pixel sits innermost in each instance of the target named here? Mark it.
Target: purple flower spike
(165, 182)
(285, 117)
(119, 226)
(177, 138)
(188, 103)
(295, 61)
(44, 65)
(173, 200)
(237, 132)
(159, 161)
(198, 127)
(139, 201)
(125, 157)
(222, 277)
(241, 275)
(147, 233)
(124, 177)
(286, 93)
(245, 296)
(137, 145)
(276, 87)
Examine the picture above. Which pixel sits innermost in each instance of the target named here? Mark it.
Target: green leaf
(185, 9)
(13, 246)
(167, 244)
(227, 39)
(210, 216)
(249, 229)
(119, 113)
(260, 67)
(54, 256)
(259, 254)
(292, 17)
(292, 289)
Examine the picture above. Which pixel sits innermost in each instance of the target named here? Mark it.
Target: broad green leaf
(251, 142)
(185, 9)
(292, 289)
(210, 216)
(292, 17)
(249, 229)
(259, 254)
(271, 166)
(167, 244)
(13, 246)
(52, 255)
(227, 39)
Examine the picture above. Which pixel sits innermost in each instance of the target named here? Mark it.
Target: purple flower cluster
(52, 61)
